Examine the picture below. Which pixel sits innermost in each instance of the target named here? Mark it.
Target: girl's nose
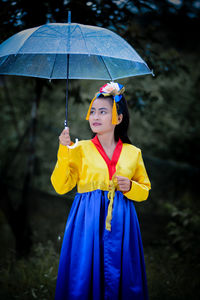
(96, 115)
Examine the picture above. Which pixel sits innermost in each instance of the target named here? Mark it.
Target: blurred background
(165, 124)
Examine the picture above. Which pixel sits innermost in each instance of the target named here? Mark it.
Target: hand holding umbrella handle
(74, 145)
(76, 141)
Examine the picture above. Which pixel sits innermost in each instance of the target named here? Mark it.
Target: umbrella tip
(69, 17)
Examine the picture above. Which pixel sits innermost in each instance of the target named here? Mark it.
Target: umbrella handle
(74, 145)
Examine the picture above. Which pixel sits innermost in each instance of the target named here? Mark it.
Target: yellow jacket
(85, 167)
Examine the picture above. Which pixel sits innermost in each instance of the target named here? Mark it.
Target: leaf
(33, 293)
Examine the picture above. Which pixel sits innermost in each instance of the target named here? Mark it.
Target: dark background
(165, 124)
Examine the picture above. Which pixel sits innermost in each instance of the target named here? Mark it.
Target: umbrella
(70, 51)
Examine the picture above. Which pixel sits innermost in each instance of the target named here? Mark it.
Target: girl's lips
(96, 124)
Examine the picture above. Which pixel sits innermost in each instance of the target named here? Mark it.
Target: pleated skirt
(97, 264)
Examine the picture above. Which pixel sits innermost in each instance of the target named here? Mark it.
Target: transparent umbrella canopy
(70, 51)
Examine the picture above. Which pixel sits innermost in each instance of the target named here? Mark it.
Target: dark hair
(121, 130)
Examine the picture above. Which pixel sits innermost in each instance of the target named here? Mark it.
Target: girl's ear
(120, 118)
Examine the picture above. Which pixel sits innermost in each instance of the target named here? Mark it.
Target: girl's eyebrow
(103, 108)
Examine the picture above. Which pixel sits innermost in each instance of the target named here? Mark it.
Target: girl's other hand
(124, 183)
(64, 137)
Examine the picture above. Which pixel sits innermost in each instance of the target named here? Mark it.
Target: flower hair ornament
(115, 91)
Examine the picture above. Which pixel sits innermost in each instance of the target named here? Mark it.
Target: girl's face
(101, 116)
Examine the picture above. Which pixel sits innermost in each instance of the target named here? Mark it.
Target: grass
(170, 278)
(35, 278)
(171, 252)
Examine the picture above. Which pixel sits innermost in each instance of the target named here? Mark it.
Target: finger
(122, 180)
(65, 140)
(120, 177)
(124, 184)
(121, 184)
(124, 187)
(64, 136)
(65, 131)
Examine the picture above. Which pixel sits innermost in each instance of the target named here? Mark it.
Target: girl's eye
(92, 112)
(103, 112)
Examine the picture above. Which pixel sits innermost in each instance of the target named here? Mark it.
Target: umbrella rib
(53, 65)
(27, 40)
(83, 39)
(73, 29)
(44, 33)
(4, 60)
(106, 67)
(56, 31)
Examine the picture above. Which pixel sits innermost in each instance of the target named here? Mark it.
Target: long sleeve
(65, 174)
(140, 182)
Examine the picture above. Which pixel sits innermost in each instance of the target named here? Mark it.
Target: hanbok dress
(102, 255)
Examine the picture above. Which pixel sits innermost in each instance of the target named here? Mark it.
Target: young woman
(102, 254)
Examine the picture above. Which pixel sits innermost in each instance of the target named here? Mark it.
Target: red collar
(110, 163)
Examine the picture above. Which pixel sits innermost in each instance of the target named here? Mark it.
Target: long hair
(121, 130)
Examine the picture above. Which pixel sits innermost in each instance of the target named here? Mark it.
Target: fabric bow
(111, 194)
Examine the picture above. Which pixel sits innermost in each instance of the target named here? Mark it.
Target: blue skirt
(96, 264)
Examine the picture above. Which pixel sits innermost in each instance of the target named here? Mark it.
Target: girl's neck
(107, 140)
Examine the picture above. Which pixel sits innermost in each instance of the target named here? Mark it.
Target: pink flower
(102, 88)
(110, 88)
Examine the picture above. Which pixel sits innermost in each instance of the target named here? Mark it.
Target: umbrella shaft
(67, 88)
